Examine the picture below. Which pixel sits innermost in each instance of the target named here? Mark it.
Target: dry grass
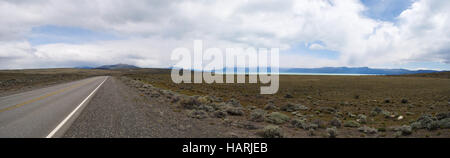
(354, 94)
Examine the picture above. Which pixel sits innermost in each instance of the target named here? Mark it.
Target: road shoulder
(120, 111)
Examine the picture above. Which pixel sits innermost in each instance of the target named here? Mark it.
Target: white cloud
(316, 46)
(151, 29)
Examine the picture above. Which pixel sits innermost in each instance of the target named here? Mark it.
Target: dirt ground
(402, 99)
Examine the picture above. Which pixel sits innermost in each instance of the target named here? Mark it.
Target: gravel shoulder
(118, 111)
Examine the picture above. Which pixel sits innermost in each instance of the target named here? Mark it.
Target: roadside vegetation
(318, 106)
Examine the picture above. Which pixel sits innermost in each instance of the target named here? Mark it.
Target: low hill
(117, 66)
(344, 70)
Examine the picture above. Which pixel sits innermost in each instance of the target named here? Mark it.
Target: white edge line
(73, 112)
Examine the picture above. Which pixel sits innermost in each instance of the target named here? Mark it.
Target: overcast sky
(411, 34)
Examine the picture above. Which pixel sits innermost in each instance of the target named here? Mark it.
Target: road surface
(46, 112)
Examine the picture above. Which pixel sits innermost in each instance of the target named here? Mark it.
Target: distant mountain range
(354, 70)
(84, 67)
(110, 67)
(344, 70)
(327, 70)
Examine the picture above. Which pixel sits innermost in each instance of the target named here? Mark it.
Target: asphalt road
(46, 112)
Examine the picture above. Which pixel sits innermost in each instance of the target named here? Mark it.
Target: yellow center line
(44, 96)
